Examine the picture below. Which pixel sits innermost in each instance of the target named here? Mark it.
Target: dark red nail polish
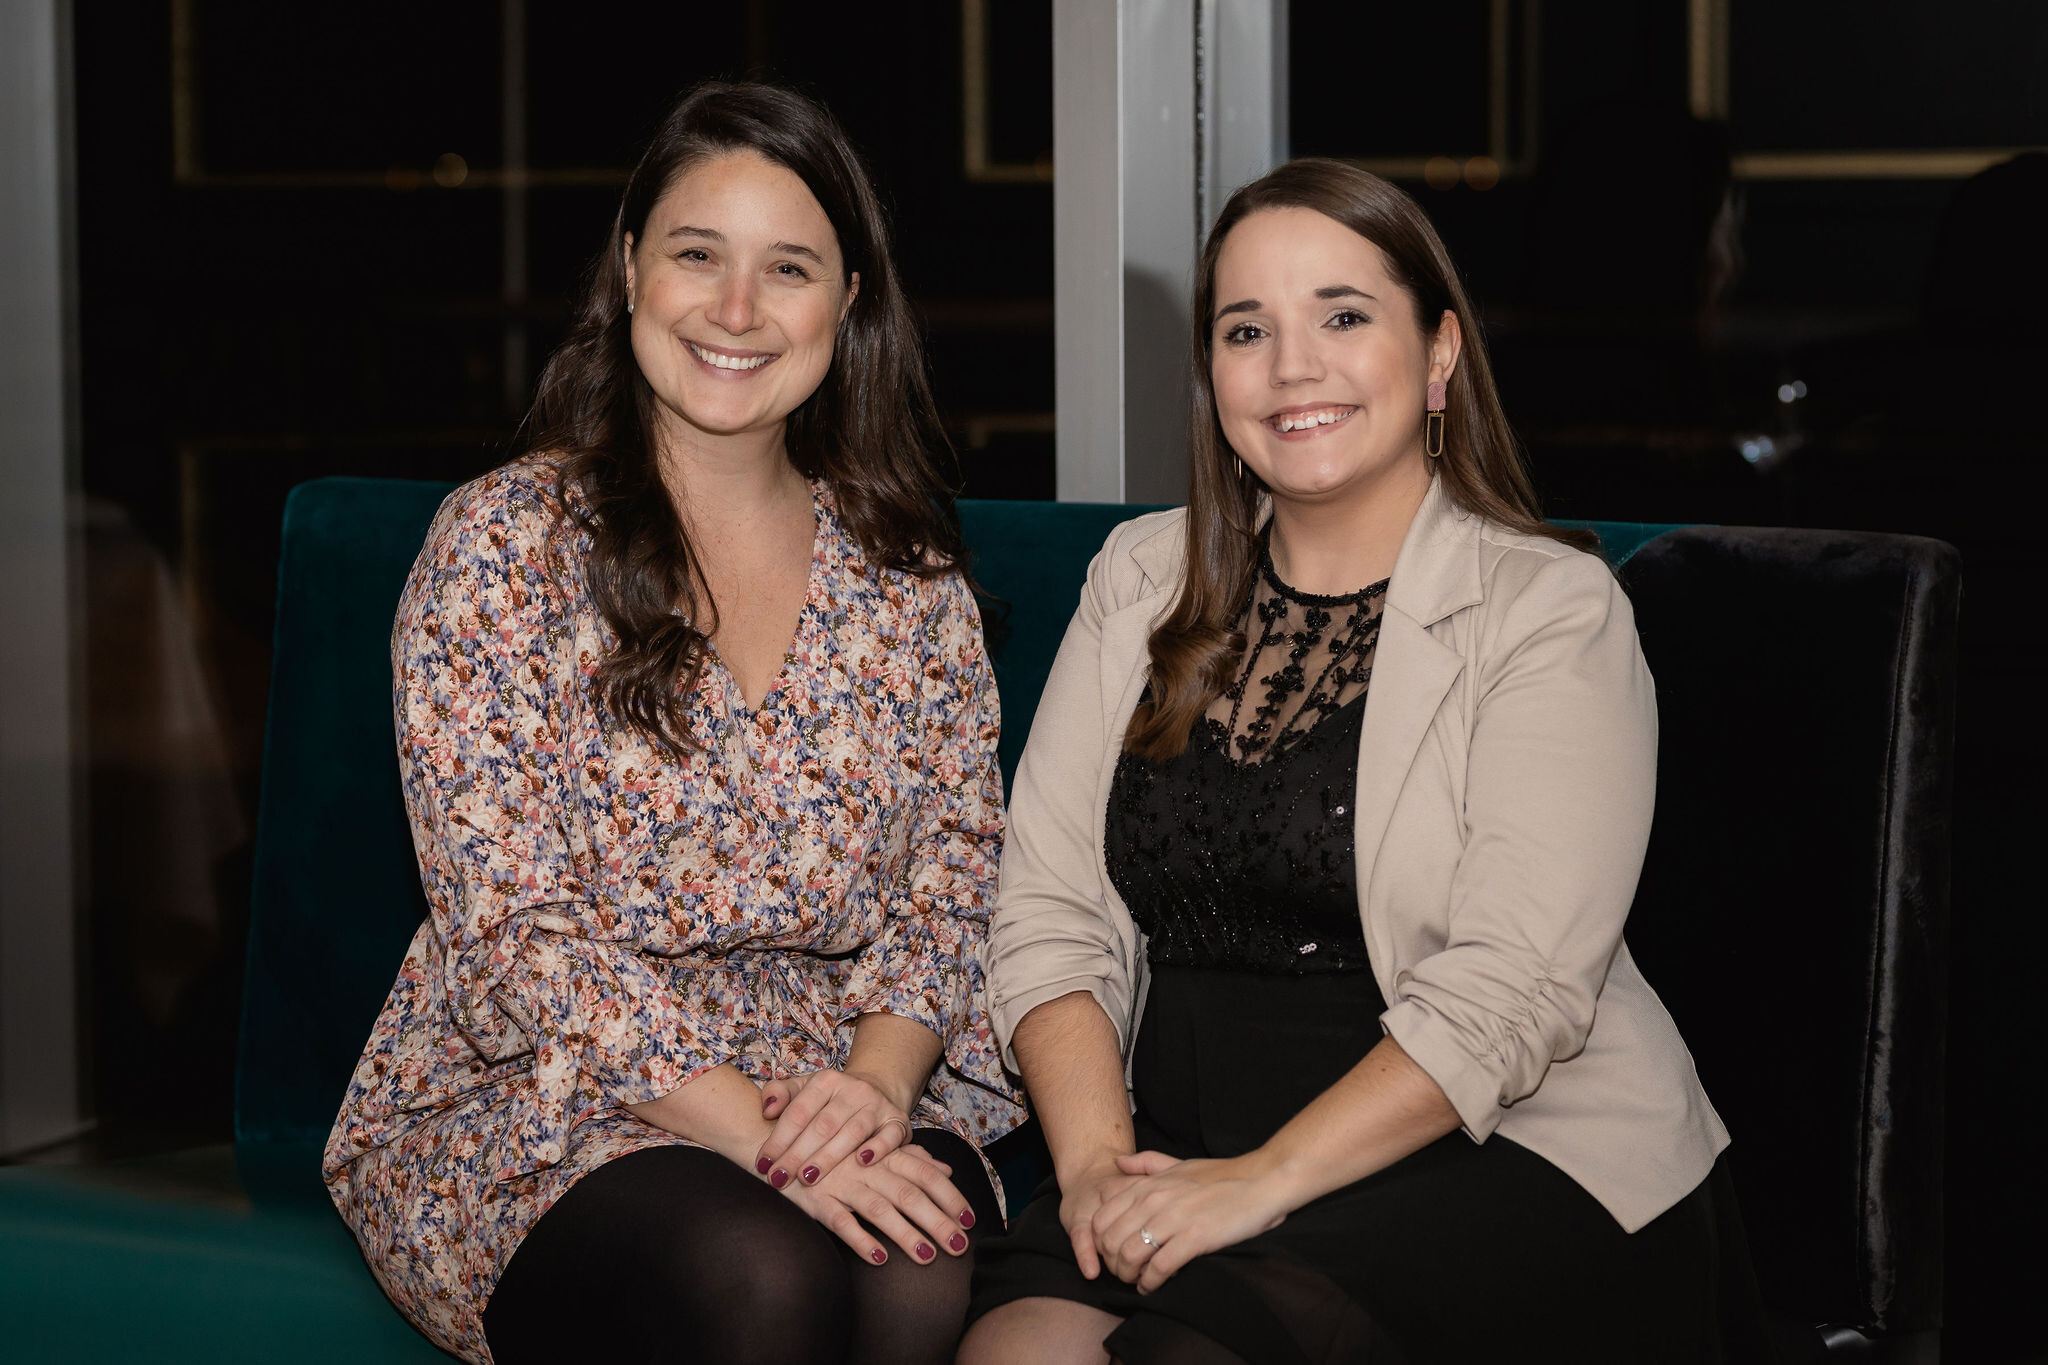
(925, 1252)
(867, 1158)
(967, 1218)
(810, 1175)
(762, 1165)
(959, 1242)
(878, 1255)
(779, 1179)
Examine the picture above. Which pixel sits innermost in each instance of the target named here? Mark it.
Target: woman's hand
(905, 1195)
(1081, 1196)
(822, 1119)
(1186, 1208)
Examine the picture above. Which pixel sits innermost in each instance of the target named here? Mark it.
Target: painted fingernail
(967, 1218)
(810, 1175)
(878, 1256)
(867, 1158)
(959, 1242)
(924, 1251)
(779, 1179)
(763, 1165)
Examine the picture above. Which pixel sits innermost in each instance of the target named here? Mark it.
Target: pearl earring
(629, 305)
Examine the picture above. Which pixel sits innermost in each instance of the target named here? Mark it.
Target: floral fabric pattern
(608, 921)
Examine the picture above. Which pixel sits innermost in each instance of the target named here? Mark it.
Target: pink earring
(1433, 423)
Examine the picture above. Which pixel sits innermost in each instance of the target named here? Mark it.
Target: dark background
(301, 254)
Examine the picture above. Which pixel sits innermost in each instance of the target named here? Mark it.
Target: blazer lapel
(1436, 574)
(1410, 675)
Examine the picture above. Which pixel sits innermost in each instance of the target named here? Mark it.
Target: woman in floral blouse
(691, 1058)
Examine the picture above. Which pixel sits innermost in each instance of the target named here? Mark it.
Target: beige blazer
(1506, 774)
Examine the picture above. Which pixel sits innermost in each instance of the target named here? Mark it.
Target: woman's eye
(1348, 319)
(693, 253)
(793, 271)
(1244, 334)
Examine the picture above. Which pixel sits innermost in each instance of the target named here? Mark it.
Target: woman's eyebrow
(714, 235)
(797, 249)
(1328, 291)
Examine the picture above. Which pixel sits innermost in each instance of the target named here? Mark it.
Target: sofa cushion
(193, 1257)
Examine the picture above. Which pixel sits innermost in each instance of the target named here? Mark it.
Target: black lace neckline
(1310, 654)
(1309, 599)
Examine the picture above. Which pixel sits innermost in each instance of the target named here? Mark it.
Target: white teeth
(1301, 421)
(727, 362)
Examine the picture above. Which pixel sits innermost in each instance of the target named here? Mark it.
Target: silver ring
(1145, 1236)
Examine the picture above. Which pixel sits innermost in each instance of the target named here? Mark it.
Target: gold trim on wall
(1504, 162)
(975, 161)
(1706, 58)
(979, 427)
(1707, 66)
(1940, 163)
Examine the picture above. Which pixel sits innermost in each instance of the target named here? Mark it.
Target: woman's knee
(1038, 1329)
(738, 1272)
(766, 1280)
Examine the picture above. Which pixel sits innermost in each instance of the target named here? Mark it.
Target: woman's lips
(734, 363)
(1306, 422)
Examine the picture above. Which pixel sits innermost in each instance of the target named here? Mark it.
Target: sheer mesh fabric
(1306, 658)
(675, 1254)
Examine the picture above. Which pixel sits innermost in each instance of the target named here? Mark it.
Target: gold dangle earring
(1433, 422)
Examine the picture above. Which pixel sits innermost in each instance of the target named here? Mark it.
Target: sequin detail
(1239, 852)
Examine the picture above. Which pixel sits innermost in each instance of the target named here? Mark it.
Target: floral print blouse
(608, 922)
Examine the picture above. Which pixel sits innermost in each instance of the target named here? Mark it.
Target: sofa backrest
(336, 893)
(1794, 903)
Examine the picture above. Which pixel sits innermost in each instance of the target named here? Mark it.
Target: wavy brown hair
(1198, 647)
(870, 430)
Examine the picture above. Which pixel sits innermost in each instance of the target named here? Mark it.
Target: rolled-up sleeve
(1561, 781)
(927, 962)
(533, 957)
(1053, 932)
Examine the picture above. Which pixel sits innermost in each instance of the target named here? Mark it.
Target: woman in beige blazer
(1322, 844)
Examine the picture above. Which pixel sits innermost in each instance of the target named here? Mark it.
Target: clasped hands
(840, 1148)
(1143, 1216)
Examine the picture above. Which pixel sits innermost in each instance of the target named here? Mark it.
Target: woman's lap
(677, 1253)
(1461, 1251)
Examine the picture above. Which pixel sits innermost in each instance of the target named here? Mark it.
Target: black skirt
(1462, 1252)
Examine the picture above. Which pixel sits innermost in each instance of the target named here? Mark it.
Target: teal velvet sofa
(235, 1254)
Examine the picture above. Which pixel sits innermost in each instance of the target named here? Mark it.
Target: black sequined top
(1238, 853)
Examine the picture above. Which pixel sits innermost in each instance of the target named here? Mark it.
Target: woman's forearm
(1383, 1109)
(896, 1054)
(719, 1109)
(1073, 1070)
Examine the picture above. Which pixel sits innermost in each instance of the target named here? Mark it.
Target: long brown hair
(870, 430)
(1198, 647)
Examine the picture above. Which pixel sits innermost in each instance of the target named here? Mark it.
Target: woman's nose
(735, 310)
(1295, 359)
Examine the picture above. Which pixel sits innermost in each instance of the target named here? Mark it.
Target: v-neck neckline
(780, 680)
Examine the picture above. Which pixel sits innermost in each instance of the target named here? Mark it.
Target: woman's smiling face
(1319, 366)
(738, 289)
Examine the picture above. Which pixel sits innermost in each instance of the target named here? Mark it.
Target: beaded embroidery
(1239, 853)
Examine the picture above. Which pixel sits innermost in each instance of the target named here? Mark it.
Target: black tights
(676, 1254)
